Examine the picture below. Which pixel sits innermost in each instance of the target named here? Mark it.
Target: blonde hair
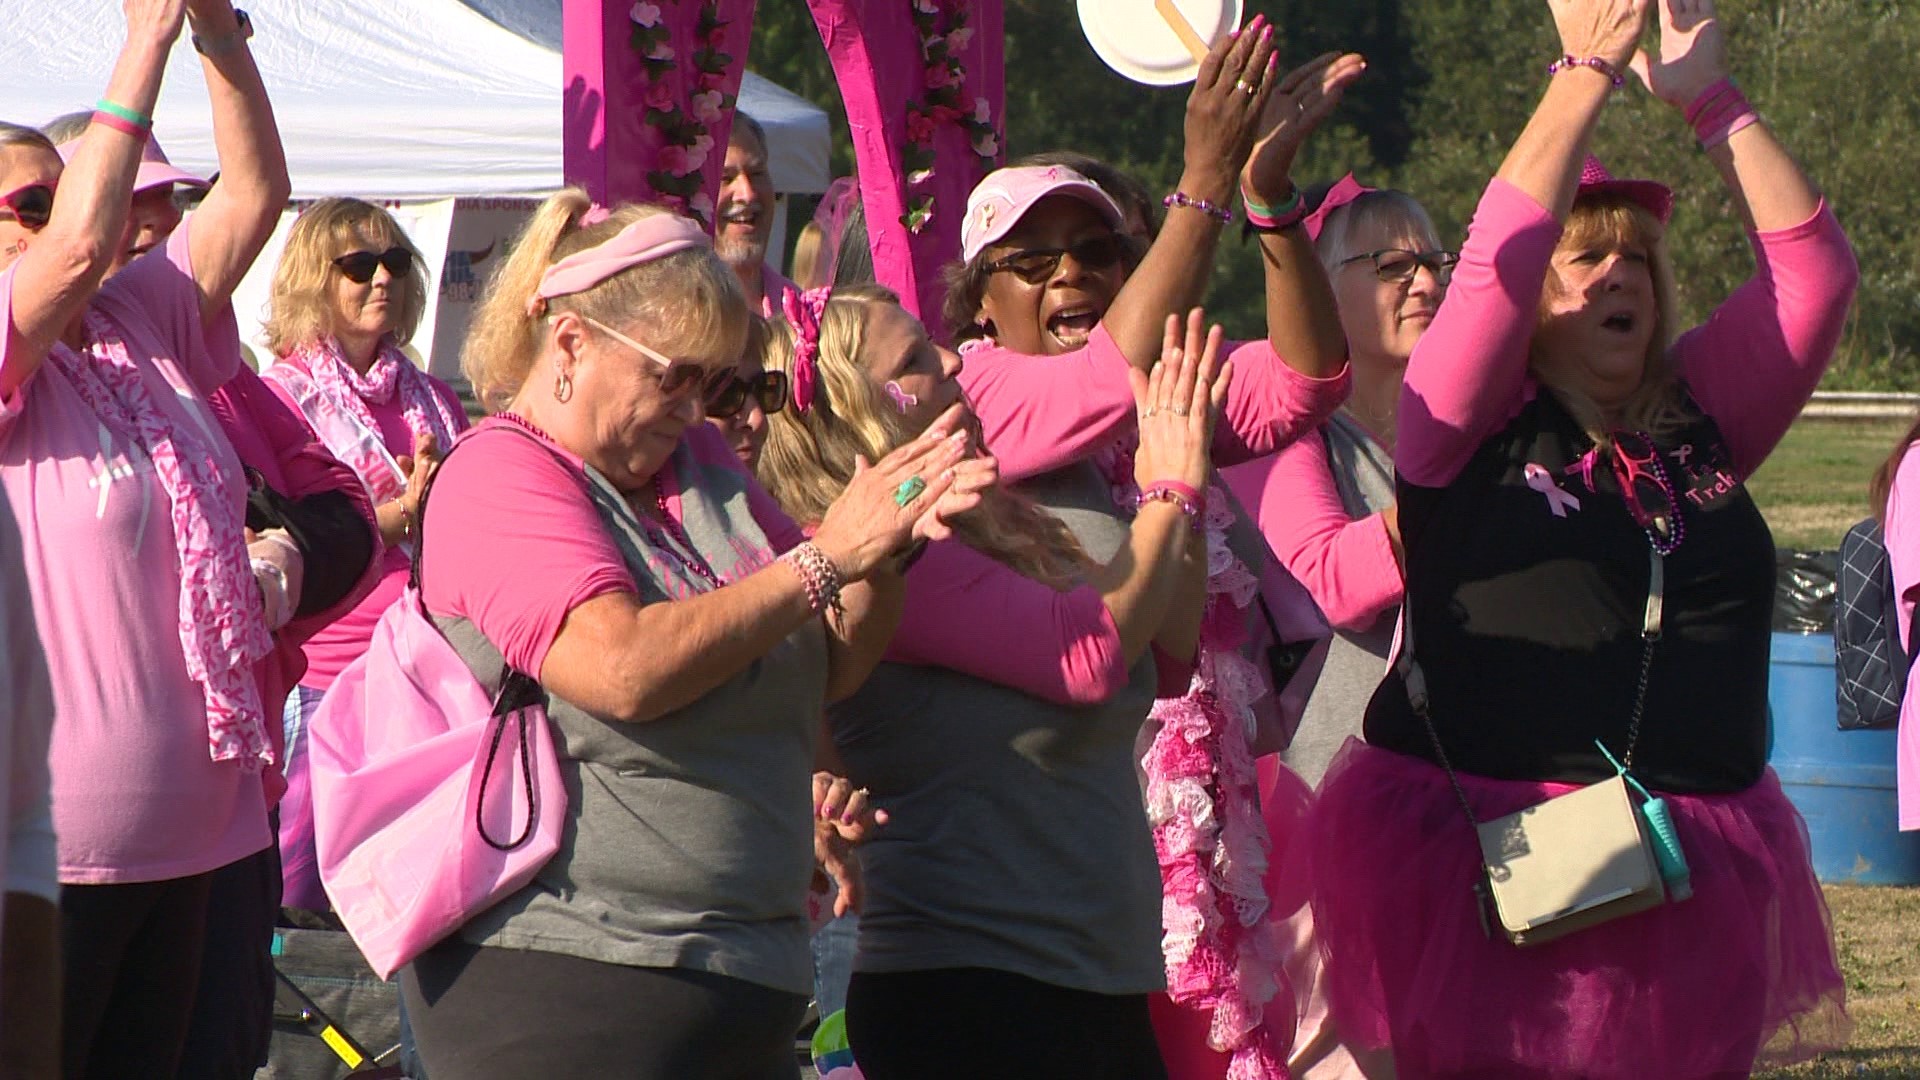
(1657, 406)
(808, 459)
(690, 303)
(807, 271)
(301, 304)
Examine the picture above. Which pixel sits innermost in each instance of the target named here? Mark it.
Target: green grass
(1814, 487)
(1873, 929)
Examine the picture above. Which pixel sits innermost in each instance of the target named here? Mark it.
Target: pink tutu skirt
(1742, 972)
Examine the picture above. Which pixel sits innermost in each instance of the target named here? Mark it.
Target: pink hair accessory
(1347, 190)
(803, 311)
(594, 215)
(652, 237)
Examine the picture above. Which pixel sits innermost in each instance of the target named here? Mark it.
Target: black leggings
(969, 1022)
(485, 1013)
(131, 957)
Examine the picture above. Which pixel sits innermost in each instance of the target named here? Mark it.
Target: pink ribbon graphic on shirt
(1558, 500)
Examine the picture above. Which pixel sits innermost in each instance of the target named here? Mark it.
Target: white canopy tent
(450, 112)
(383, 99)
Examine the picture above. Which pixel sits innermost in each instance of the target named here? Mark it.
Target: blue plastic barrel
(1841, 781)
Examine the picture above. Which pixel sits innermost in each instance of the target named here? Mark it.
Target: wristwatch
(226, 43)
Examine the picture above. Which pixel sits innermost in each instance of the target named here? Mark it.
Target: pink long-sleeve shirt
(1347, 564)
(1751, 366)
(1902, 531)
(1040, 413)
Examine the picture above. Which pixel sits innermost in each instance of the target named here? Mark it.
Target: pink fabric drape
(877, 61)
(610, 147)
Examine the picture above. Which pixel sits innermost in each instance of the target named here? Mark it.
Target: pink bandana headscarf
(223, 631)
(424, 411)
(804, 312)
(652, 237)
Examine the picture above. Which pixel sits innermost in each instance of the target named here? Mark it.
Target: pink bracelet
(1180, 198)
(1188, 509)
(125, 127)
(1739, 123)
(818, 576)
(1570, 62)
(1708, 98)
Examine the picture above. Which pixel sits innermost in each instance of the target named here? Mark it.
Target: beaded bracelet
(1189, 508)
(819, 577)
(1180, 198)
(132, 116)
(1570, 62)
(1261, 218)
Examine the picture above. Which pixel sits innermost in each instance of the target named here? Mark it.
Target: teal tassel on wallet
(1666, 839)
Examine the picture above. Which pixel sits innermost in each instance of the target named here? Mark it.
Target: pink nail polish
(1266, 34)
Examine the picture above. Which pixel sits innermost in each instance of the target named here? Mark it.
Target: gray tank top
(689, 838)
(1017, 840)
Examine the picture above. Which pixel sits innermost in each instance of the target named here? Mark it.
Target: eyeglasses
(1648, 491)
(769, 388)
(1399, 264)
(31, 205)
(359, 266)
(1036, 265)
(681, 377)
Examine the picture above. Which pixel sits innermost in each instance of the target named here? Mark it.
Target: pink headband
(652, 237)
(803, 312)
(1339, 195)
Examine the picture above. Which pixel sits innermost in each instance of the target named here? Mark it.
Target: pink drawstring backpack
(431, 801)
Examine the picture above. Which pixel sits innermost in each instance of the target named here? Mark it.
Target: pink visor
(154, 170)
(652, 237)
(1004, 197)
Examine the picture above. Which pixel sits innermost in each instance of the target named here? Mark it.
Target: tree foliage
(1450, 83)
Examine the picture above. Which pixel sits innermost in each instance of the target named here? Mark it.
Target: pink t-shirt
(135, 795)
(336, 645)
(536, 516)
(1347, 564)
(1903, 552)
(1040, 413)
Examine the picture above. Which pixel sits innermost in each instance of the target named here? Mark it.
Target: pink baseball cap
(1004, 197)
(154, 169)
(1656, 198)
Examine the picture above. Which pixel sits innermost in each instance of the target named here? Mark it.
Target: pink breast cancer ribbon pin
(1558, 499)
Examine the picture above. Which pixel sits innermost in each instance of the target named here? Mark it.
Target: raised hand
(1693, 53)
(875, 518)
(155, 20)
(1305, 97)
(1224, 109)
(1608, 29)
(1178, 404)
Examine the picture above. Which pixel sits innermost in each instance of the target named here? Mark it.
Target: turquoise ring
(909, 490)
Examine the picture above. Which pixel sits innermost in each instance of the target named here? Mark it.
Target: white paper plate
(1132, 38)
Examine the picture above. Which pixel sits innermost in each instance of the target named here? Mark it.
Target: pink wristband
(125, 127)
(1708, 97)
(1739, 123)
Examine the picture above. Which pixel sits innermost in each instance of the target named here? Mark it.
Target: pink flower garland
(687, 136)
(944, 34)
(1203, 800)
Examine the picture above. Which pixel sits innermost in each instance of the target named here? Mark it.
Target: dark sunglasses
(359, 266)
(1648, 491)
(1399, 264)
(31, 206)
(769, 388)
(1036, 265)
(677, 377)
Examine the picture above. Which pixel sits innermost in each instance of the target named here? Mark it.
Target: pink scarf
(1203, 800)
(223, 631)
(423, 410)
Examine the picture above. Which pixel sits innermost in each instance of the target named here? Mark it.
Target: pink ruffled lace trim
(1202, 799)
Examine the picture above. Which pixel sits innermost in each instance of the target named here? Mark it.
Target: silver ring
(1146, 412)
(1179, 412)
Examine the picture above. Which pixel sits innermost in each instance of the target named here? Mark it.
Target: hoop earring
(562, 389)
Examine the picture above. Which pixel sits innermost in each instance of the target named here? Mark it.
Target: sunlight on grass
(1814, 487)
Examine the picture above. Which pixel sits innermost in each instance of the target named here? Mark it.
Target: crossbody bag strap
(1416, 680)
